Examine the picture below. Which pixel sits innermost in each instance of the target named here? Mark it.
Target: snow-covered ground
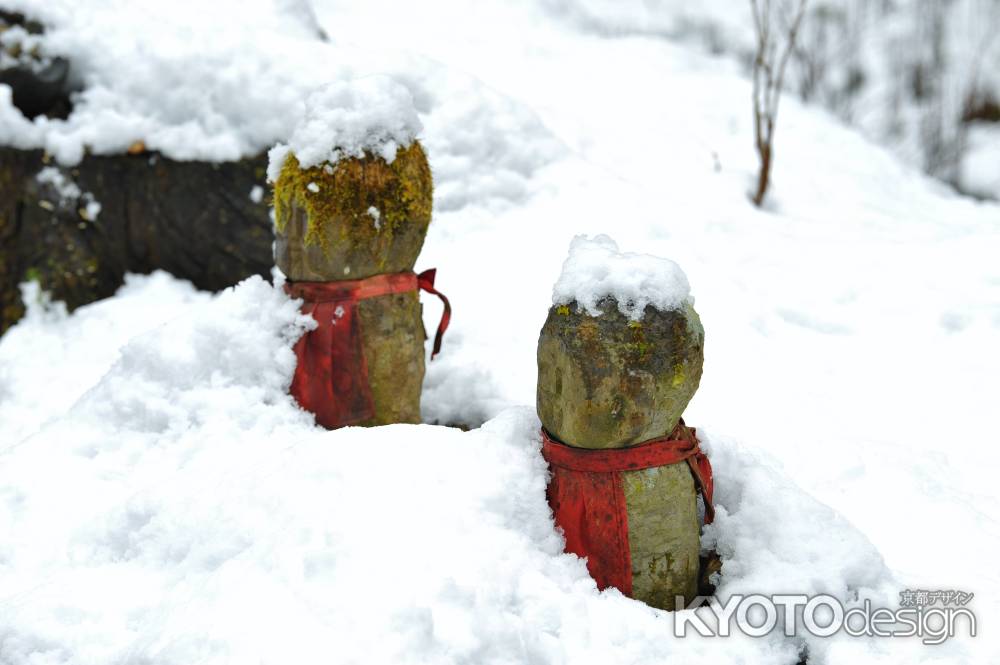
(163, 501)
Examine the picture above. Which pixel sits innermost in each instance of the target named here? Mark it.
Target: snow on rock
(195, 80)
(185, 510)
(67, 192)
(91, 208)
(167, 74)
(66, 189)
(596, 269)
(20, 48)
(374, 114)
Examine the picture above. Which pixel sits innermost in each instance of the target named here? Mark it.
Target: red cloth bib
(588, 501)
(331, 376)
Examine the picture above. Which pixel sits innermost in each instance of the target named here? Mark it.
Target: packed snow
(348, 119)
(185, 509)
(596, 269)
(163, 500)
(175, 76)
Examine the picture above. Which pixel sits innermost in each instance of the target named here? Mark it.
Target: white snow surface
(183, 509)
(163, 500)
(348, 119)
(596, 269)
(197, 80)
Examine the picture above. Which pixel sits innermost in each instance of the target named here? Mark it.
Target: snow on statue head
(620, 354)
(352, 187)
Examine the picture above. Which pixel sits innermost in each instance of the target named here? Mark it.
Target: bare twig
(769, 66)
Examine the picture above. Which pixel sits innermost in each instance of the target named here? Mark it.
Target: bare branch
(793, 33)
(769, 66)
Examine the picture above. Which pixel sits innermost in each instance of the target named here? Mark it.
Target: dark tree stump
(195, 220)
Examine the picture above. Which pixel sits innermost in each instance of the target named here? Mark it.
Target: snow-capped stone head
(372, 115)
(354, 151)
(621, 352)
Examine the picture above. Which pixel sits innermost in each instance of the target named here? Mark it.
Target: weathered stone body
(609, 382)
(353, 220)
(392, 337)
(357, 218)
(663, 533)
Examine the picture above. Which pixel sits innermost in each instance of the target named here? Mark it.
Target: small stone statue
(619, 358)
(349, 225)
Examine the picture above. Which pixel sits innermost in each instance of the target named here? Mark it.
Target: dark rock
(193, 219)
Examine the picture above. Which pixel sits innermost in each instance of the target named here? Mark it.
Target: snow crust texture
(596, 269)
(184, 509)
(348, 119)
(166, 74)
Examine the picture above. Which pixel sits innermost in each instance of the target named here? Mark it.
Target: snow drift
(184, 509)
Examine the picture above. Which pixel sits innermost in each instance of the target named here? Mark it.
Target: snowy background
(162, 500)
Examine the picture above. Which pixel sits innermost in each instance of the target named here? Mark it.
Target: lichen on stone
(392, 337)
(608, 381)
(663, 534)
(322, 218)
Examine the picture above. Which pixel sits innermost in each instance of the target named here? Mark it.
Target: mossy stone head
(359, 217)
(608, 381)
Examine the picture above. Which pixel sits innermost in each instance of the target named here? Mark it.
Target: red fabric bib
(331, 376)
(588, 501)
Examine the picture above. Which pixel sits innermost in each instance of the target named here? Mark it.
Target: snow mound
(229, 358)
(595, 269)
(221, 87)
(185, 510)
(53, 358)
(347, 119)
(167, 75)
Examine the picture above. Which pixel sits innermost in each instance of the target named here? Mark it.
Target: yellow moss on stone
(353, 219)
(343, 194)
(609, 382)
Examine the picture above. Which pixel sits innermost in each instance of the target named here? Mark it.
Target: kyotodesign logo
(932, 616)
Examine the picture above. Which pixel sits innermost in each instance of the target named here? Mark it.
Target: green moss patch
(353, 219)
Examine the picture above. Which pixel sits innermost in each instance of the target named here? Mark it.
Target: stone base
(392, 336)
